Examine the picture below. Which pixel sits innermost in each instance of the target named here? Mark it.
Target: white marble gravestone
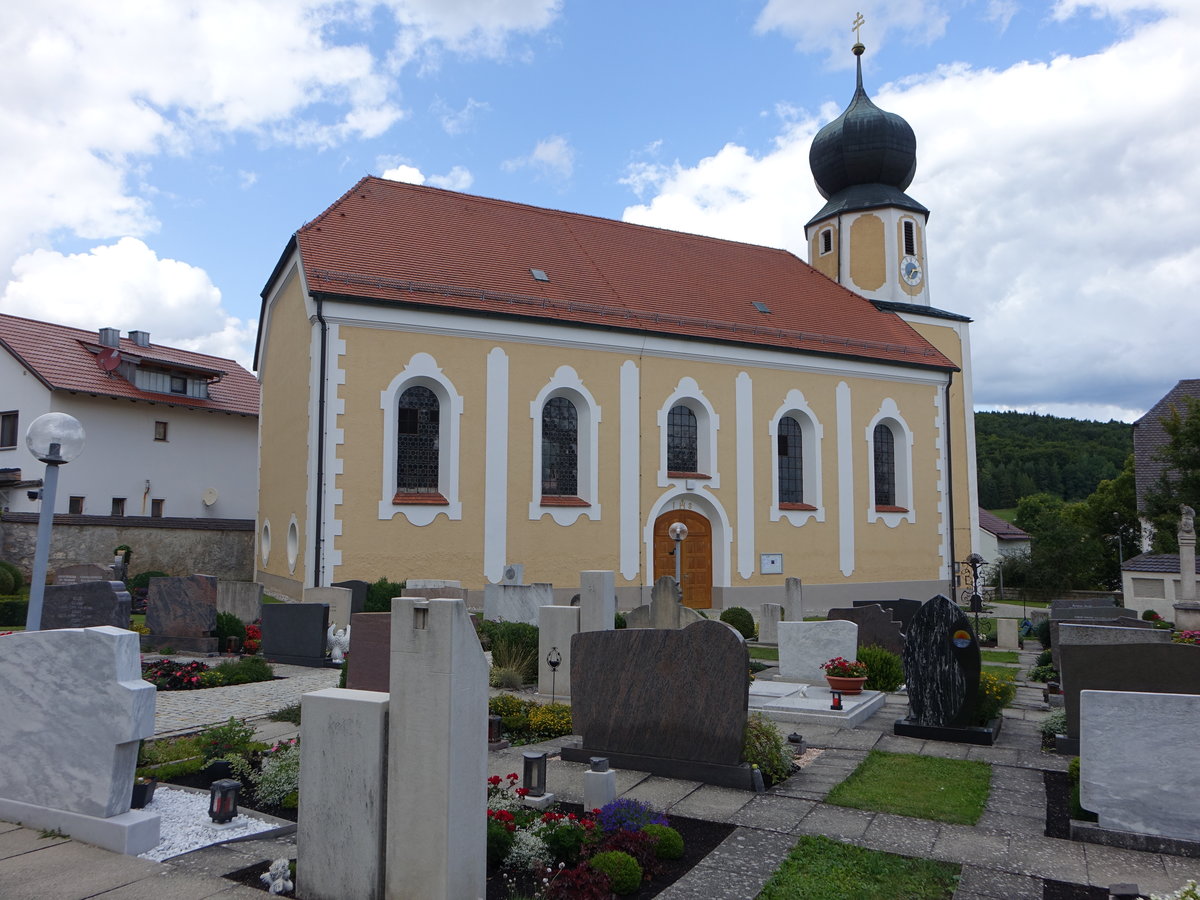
(516, 602)
(68, 745)
(768, 623)
(339, 602)
(597, 600)
(1139, 761)
(556, 626)
(804, 646)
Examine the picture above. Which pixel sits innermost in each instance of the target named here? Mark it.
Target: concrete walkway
(1004, 856)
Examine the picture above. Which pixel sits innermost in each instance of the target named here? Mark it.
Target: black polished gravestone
(358, 594)
(941, 668)
(875, 626)
(295, 633)
(665, 701)
(86, 605)
(902, 610)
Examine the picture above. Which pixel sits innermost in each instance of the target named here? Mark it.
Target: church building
(454, 386)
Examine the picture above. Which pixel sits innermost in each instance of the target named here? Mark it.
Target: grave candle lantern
(837, 700)
(495, 733)
(222, 800)
(535, 774)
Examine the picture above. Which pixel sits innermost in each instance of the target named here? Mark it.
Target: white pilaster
(495, 500)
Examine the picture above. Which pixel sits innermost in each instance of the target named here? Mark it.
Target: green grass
(819, 868)
(1003, 672)
(925, 787)
(764, 653)
(999, 656)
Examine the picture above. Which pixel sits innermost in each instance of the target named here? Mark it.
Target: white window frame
(566, 383)
(812, 433)
(423, 371)
(687, 393)
(889, 415)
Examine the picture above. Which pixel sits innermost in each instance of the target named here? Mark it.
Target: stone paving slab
(836, 822)
(901, 834)
(71, 871)
(1109, 865)
(16, 841)
(750, 851)
(772, 813)
(1047, 858)
(659, 792)
(956, 843)
(711, 803)
(178, 712)
(978, 882)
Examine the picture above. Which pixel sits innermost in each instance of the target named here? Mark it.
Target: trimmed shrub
(741, 619)
(765, 747)
(1041, 631)
(380, 594)
(1045, 658)
(142, 579)
(621, 868)
(619, 621)
(885, 669)
(550, 721)
(246, 670)
(229, 625)
(1150, 615)
(14, 612)
(499, 841)
(637, 844)
(506, 705)
(668, 843)
(1043, 674)
(7, 585)
(17, 577)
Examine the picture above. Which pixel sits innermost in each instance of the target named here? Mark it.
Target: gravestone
(875, 626)
(1008, 636)
(804, 646)
(769, 617)
(181, 612)
(793, 600)
(665, 609)
(1140, 762)
(1059, 613)
(941, 669)
(670, 702)
(1136, 668)
(358, 593)
(86, 605)
(82, 574)
(902, 610)
(337, 599)
(434, 588)
(68, 747)
(240, 598)
(556, 626)
(1132, 622)
(1083, 602)
(516, 602)
(597, 600)
(370, 663)
(295, 633)
(437, 753)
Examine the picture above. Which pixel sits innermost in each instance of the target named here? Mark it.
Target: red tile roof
(1004, 531)
(64, 359)
(404, 243)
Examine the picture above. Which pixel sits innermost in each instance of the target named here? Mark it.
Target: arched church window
(682, 436)
(560, 448)
(885, 466)
(790, 457)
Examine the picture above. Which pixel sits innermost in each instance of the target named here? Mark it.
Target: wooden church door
(696, 551)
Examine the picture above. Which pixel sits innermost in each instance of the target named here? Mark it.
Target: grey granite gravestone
(1083, 602)
(1059, 613)
(875, 626)
(82, 574)
(294, 633)
(370, 664)
(516, 602)
(242, 599)
(86, 605)
(1135, 668)
(337, 599)
(181, 612)
(902, 610)
(358, 594)
(669, 702)
(769, 617)
(1132, 622)
(941, 668)
(665, 609)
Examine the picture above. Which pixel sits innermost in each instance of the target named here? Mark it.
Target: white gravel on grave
(185, 825)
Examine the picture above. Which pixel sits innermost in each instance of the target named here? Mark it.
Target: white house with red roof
(455, 384)
(171, 434)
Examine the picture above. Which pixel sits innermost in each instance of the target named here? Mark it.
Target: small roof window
(760, 306)
(539, 275)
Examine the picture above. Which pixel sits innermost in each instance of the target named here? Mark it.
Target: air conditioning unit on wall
(514, 573)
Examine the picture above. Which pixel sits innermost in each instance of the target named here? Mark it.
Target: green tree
(1065, 555)
(1180, 481)
(1110, 514)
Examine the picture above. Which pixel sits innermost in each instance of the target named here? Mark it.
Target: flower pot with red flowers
(845, 675)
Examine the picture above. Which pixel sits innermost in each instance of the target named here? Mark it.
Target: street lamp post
(55, 439)
(677, 532)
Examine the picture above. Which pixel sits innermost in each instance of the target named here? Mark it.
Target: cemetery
(569, 749)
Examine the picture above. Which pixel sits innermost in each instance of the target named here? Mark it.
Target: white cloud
(398, 169)
(407, 174)
(826, 27)
(472, 27)
(457, 121)
(457, 179)
(552, 157)
(1063, 214)
(125, 285)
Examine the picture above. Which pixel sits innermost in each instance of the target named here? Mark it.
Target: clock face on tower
(910, 270)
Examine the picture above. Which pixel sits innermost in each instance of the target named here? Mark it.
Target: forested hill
(1025, 453)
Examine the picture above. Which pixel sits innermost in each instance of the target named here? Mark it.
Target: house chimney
(110, 337)
(141, 338)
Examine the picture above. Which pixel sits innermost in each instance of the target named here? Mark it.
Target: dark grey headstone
(1059, 613)
(941, 666)
(371, 662)
(82, 574)
(295, 633)
(875, 626)
(902, 610)
(1077, 602)
(678, 695)
(358, 594)
(183, 606)
(86, 605)
(1137, 668)
(1055, 625)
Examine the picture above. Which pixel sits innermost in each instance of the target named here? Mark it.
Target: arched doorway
(696, 563)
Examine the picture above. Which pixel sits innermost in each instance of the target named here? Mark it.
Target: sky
(158, 154)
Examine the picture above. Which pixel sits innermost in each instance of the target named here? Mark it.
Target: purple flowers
(625, 814)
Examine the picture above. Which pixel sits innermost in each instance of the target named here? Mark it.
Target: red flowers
(494, 780)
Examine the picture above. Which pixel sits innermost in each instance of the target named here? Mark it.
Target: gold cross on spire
(859, 21)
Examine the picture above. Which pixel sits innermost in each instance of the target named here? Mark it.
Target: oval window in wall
(264, 542)
(293, 544)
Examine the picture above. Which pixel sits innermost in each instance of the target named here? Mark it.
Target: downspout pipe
(950, 483)
(319, 522)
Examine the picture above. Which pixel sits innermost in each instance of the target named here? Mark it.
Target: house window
(885, 466)
(75, 506)
(682, 435)
(156, 508)
(560, 448)
(160, 431)
(178, 384)
(8, 430)
(790, 454)
(118, 506)
(910, 238)
(417, 441)
(826, 241)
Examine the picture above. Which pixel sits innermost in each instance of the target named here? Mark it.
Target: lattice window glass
(682, 455)
(790, 454)
(885, 466)
(560, 448)
(417, 441)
